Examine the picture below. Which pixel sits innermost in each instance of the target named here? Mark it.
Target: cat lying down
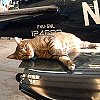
(60, 46)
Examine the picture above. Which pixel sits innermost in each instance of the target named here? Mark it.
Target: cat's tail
(89, 47)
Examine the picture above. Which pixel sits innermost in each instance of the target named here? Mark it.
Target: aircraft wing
(26, 12)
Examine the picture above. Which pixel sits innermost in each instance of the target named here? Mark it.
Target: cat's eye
(21, 47)
(25, 48)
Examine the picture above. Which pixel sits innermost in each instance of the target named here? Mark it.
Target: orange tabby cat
(58, 46)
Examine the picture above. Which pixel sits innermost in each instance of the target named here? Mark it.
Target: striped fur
(53, 46)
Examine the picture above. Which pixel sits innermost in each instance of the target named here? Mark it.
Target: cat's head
(23, 50)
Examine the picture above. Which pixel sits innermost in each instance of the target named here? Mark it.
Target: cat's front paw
(72, 67)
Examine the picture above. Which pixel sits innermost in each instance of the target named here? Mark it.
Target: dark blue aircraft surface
(80, 17)
(44, 79)
(48, 79)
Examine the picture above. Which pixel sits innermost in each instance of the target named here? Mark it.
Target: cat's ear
(12, 56)
(18, 40)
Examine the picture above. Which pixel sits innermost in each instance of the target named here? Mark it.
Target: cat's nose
(29, 53)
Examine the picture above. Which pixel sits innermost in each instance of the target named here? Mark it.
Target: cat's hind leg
(67, 62)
